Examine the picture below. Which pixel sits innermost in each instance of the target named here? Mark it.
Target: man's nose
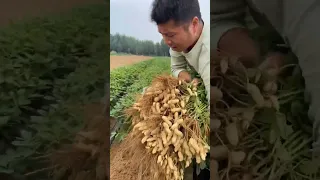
(168, 42)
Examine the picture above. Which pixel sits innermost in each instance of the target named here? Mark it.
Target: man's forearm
(178, 63)
(303, 37)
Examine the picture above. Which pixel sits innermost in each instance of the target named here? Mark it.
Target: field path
(119, 61)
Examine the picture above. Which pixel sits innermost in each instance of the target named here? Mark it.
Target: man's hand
(271, 65)
(274, 60)
(195, 81)
(237, 42)
(184, 76)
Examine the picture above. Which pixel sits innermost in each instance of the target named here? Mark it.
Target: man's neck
(197, 37)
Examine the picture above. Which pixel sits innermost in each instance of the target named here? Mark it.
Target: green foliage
(49, 68)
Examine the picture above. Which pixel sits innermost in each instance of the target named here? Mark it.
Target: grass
(50, 68)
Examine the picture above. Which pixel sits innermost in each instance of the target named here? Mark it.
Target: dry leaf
(267, 103)
(215, 93)
(224, 65)
(251, 72)
(254, 91)
(232, 134)
(270, 87)
(275, 102)
(237, 157)
(215, 124)
(247, 176)
(219, 152)
(270, 74)
(233, 111)
(267, 87)
(235, 119)
(245, 125)
(233, 60)
(214, 167)
(274, 88)
(257, 77)
(248, 114)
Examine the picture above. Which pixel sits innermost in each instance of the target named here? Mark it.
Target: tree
(164, 48)
(131, 45)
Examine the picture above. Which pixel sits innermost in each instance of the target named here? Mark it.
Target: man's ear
(195, 23)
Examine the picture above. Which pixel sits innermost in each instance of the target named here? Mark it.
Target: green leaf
(23, 152)
(310, 167)
(273, 136)
(26, 134)
(23, 101)
(267, 116)
(5, 170)
(283, 154)
(36, 119)
(36, 95)
(42, 112)
(10, 80)
(2, 80)
(296, 108)
(18, 143)
(283, 128)
(4, 120)
(49, 98)
(203, 165)
(21, 92)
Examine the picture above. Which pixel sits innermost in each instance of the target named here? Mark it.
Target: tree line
(131, 45)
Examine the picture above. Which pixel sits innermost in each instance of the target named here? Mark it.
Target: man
(187, 35)
(295, 20)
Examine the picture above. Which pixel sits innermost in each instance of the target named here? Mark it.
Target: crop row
(157, 66)
(122, 78)
(49, 68)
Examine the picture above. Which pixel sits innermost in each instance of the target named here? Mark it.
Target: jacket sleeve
(303, 37)
(205, 76)
(178, 63)
(225, 15)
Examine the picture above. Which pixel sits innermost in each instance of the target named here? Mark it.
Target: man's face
(177, 37)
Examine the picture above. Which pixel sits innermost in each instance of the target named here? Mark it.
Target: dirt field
(13, 10)
(118, 61)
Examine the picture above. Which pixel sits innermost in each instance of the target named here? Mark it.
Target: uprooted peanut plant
(171, 123)
(257, 132)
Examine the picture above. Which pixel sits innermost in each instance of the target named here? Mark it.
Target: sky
(132, 18)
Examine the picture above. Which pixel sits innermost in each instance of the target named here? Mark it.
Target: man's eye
(170, 35)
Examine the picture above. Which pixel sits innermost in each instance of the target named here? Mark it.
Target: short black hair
(180, 11)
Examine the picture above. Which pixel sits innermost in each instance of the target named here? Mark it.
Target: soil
(119, 61)
(15, 10)
(121, 164)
